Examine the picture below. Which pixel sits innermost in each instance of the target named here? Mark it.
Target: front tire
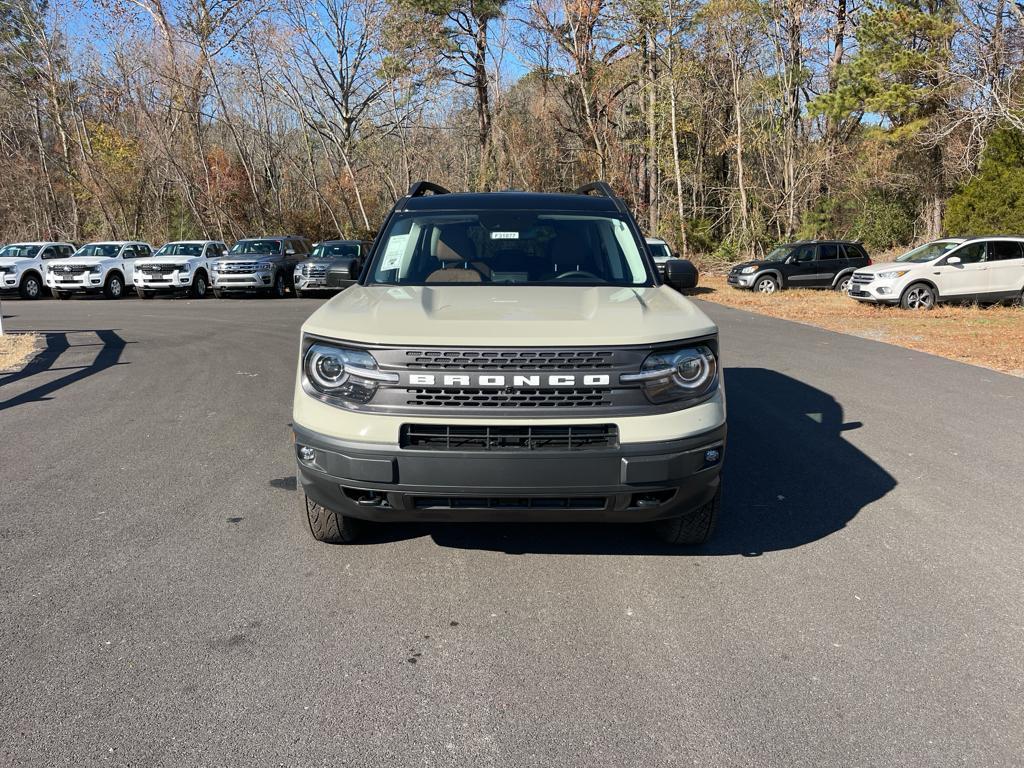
(218, 294)
(198, 288)
(843, 285)
(329, 526)
(30, 288)
(298, 293)
(766, 284)
(918, 296)
(144, 294)
(692, 528)
(278, 291)
(114, 287)
(61, 295)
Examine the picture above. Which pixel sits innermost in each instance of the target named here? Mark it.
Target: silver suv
(259, 265)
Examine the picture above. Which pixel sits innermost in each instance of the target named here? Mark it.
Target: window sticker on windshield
(394, 253)
(504, 235)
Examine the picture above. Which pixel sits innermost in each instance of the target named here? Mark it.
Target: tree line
(727, 125)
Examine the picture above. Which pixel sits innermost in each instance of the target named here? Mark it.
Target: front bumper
(171, 281)
(304, 283)
(90, 281)
(242, 282)
(877, 292)
(635, 482)
(741, 281)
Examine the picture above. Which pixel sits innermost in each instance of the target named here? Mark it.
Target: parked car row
(273, 265)
(981, 269)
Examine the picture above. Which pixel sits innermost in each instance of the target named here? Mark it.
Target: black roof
(505, 201)
(816, 242)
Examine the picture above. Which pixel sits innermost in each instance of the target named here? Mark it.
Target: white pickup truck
(105, 267)
(184, 265)
(22, 266)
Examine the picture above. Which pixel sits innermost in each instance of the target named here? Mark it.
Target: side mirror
(954, 260)
(289, 252)
(354, 268)
(680, 274)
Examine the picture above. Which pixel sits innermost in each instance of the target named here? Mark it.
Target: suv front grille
(509, 360)
(862, 278)
(509, 502)
(316, 270)
(497, 398)
(244, 266)
(575, 437)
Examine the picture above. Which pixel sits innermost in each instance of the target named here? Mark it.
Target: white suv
(988, 269)
(96, 267)
(184, 265)
(21, 266)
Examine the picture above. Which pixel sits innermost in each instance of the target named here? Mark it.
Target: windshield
(245, 247)
(335, 250)
(659, 251)
(928, 251)
(180, 249)
(779, 254)
(18, 251)
(98, 251)
(509, 247)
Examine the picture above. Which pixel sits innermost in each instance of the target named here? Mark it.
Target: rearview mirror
(954, 260)
(680, 274)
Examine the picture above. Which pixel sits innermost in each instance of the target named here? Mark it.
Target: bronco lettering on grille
(509, 380)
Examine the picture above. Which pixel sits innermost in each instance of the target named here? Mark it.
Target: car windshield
(98, 251)
(509, 247)
(335, 250)
(18, 251)
(180, 249)
(245, 247)
(659, 251)
(928, 251)
(779, 254)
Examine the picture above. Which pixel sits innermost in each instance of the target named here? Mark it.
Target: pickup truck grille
(574, 437)
(507, 360)
(69, 269)
(497, 398)
(159, 269)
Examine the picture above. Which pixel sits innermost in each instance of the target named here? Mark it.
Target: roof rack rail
(595, 186)
(420, 188)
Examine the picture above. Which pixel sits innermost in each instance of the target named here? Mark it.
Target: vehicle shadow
(790, 478)
(57, 343)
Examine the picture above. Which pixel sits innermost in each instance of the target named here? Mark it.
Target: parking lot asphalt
(163, 604)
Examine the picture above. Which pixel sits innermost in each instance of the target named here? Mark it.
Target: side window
(805, 254)
(828, 252)
(48, 253)
(1004, 250)
(972, 253)
(66, 250)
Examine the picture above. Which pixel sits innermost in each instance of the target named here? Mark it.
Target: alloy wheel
(766, 286)
(919, 298)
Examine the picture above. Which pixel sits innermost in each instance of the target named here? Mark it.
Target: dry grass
(988, 336)
(16, 349)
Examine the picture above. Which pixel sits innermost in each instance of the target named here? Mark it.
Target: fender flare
(774, 273)
(32, 271)
(841, 274)
(115, 271)
(929, 283)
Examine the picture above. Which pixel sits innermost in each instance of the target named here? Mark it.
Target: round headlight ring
(326, 371)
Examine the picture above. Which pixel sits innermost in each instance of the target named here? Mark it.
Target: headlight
(265, 268)
(748, 270)
(893, 274)
(215, 267)
(184, 268)
(684, 374)
(299, 270)
(344, 375)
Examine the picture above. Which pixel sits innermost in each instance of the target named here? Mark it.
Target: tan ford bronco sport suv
(511, 356)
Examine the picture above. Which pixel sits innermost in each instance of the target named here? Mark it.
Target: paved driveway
(163, 604)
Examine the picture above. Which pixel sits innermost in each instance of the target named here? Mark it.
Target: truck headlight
(893, 274)
(748, 270)
(686, 374)
(340, 374)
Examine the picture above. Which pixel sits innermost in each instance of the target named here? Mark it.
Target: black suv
(804, 264)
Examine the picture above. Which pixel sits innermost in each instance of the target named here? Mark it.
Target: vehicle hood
(251, 257)
(888, 266)
(509, 316)
(753, 263)
(12, 262)
(94, 261)
(166, 260)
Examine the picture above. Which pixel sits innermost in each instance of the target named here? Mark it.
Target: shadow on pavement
(791, 478)
(110, 344)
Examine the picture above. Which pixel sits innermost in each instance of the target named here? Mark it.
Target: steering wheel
(577, 273)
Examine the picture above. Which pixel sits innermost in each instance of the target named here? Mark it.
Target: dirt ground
(15, 350)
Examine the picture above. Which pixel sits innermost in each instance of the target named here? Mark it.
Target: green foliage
(882, 221)
(993, 201)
